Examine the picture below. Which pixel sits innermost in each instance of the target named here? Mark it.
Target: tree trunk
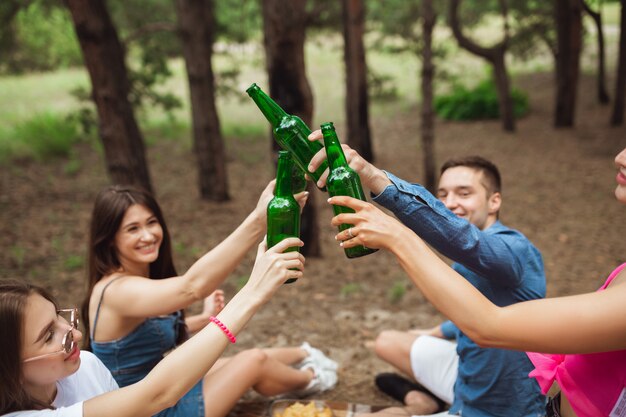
(196, 25)
(284, 34)
(428, 113)
(495, 56)
(569, 39)
(357, 116)
(104, 58)
(603, 95)
(505, 102)
(617, 119)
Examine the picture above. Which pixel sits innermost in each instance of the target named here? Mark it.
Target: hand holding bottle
(268, 193)
(373, 178)
(273, 267)
(371, 227)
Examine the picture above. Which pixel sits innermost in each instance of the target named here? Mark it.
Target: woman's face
(43, 333)
(620, 163)
(138, 239)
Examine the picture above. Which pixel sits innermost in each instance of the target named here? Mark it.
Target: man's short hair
(491, 175)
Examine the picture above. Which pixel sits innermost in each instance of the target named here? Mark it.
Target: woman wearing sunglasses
(44, 374)
(584, 335)
(134, 306)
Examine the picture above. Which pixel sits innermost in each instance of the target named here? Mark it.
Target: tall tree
(196, 25)
(568, 16)
(603, 95)
(495, 56)
(617, 118)
(357, 113)
(406, 21)
(284, 28)
(104, 58)
(429, 18)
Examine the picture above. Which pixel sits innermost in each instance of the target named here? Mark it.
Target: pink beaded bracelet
(222, 326)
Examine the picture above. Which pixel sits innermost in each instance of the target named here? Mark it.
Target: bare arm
(186, 365)
(577, 324)
(135, 296)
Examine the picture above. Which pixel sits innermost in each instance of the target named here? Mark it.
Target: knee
(255, 358)
(385, 342)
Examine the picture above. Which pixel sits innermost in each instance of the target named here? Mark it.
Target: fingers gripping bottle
(291, 133)
(342, 180)
(283, 211)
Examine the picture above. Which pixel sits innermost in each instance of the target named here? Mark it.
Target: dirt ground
(557, 189)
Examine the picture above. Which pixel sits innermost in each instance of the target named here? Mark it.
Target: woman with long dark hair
(133, 310)
(44, 374)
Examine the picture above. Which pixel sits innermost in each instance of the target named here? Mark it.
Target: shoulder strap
(95, 320)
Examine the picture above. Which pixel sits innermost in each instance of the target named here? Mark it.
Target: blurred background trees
(134, 52)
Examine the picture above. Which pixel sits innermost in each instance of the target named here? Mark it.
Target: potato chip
(301, 410)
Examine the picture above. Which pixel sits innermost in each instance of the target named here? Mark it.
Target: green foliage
(152, 72)
(397, 291)
(238, 21)
(39, 37)
(480, 102)
(41, 137)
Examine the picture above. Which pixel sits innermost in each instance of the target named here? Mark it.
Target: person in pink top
(582, 337)
(592, 381)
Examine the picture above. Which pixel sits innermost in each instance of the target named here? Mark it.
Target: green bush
(481, 102)
(44, 39)
(43, 136)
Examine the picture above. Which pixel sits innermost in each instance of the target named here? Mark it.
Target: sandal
(397, 387)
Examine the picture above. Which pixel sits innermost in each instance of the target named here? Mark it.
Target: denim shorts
(191, 405)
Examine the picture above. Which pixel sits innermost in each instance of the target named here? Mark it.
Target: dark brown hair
(13, 299)
(491, 175)
(108, 212)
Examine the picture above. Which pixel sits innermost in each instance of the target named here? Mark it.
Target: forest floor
(557, 189)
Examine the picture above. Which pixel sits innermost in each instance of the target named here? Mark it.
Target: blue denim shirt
(505, 267)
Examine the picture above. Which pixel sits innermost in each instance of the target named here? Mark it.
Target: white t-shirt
(91, 380)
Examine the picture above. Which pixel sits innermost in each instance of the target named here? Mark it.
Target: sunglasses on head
(67, 343)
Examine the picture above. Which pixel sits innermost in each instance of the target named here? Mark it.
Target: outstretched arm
(486, 254)
(186, 365)
(577, 324)
(135, 296)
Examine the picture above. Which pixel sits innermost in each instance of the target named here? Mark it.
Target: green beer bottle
(342, 180)
(283, 211)
(289, 131)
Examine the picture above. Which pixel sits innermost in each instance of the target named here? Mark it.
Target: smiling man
(461, 222)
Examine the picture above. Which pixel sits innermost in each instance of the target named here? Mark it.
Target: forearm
(486, 254)
(179, 371)
(193, 359)
(449, 292)
(208, 272)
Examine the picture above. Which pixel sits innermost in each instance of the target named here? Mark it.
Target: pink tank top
(594, 382)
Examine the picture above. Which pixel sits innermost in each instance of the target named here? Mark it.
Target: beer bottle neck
(334, 153)
(283, 175)
(272, 111)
